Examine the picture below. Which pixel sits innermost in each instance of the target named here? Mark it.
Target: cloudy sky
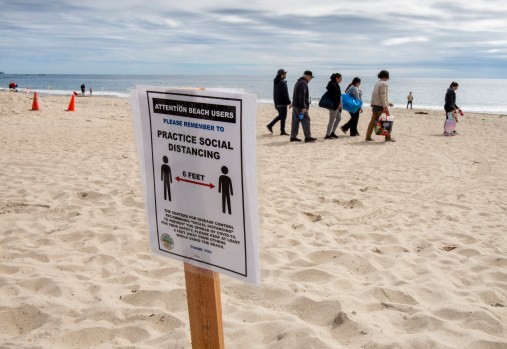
(413, 38)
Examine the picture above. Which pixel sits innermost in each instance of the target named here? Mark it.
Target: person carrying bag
(379, 105)
(333, 103)
(352, 102)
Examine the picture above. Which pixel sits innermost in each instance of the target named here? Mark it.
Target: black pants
(352, 124)
(282, 116)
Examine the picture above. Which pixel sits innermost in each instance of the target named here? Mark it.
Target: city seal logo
(167, 241)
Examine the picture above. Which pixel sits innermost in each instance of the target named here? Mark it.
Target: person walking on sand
(410, 98)
(353, 91)
(450, 102)
(300, 105)
(335, 94)
(83, 89)
(281, 100)
(379, 104)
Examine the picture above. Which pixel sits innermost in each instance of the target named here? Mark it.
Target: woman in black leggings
(354, 91)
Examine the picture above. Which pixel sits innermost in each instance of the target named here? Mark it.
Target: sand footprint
(20, 320)
(311, 275)
(313, 217)
(93, 336)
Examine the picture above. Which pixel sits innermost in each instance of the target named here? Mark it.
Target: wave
(48, 92)
(472, 108)
(491, 109)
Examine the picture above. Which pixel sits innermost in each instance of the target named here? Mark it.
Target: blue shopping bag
(350, 103)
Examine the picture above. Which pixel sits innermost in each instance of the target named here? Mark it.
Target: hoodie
(280, 92)
(335, 92)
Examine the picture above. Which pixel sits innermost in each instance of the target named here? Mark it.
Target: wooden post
(204, 308)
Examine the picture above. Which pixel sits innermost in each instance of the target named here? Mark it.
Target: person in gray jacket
(300, 105)
(354, 91)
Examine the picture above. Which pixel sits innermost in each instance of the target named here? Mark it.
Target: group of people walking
(379, 104)
(301, 102)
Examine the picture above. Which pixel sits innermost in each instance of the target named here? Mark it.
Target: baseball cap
(281, 71)
(309, 72)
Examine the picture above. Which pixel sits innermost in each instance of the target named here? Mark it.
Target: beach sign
(197, 153)
(197, 157)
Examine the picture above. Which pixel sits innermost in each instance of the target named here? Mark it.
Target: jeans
(282, 116)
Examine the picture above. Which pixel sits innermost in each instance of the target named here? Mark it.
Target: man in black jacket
(282, 100)
(300, 105)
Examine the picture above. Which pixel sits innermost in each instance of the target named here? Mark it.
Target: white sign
(197, 154)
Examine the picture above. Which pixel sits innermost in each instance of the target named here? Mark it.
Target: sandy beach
(362, 244)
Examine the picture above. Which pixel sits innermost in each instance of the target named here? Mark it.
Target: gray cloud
(164, 37)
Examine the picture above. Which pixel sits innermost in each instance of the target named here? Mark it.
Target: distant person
(379, 104)
(13, 86)
(83, 89)
(91, 91)
(450, 101)
(335, 94)
(281, 100)
(410, 98)
(300, 105)
(353, 91)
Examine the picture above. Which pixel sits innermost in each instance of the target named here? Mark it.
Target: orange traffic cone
(35, 104)
(71, 104)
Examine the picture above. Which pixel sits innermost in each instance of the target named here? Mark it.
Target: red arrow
(211, 186)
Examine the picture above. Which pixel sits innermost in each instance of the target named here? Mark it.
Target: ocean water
(474, 95)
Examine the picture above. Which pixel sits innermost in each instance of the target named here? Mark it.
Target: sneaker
(328, 137)
(294, 139)
(390, 140)
(310, 140)
(343, 130)
(284, 134)
(333, 135)
(455, 132)
(270, 128)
